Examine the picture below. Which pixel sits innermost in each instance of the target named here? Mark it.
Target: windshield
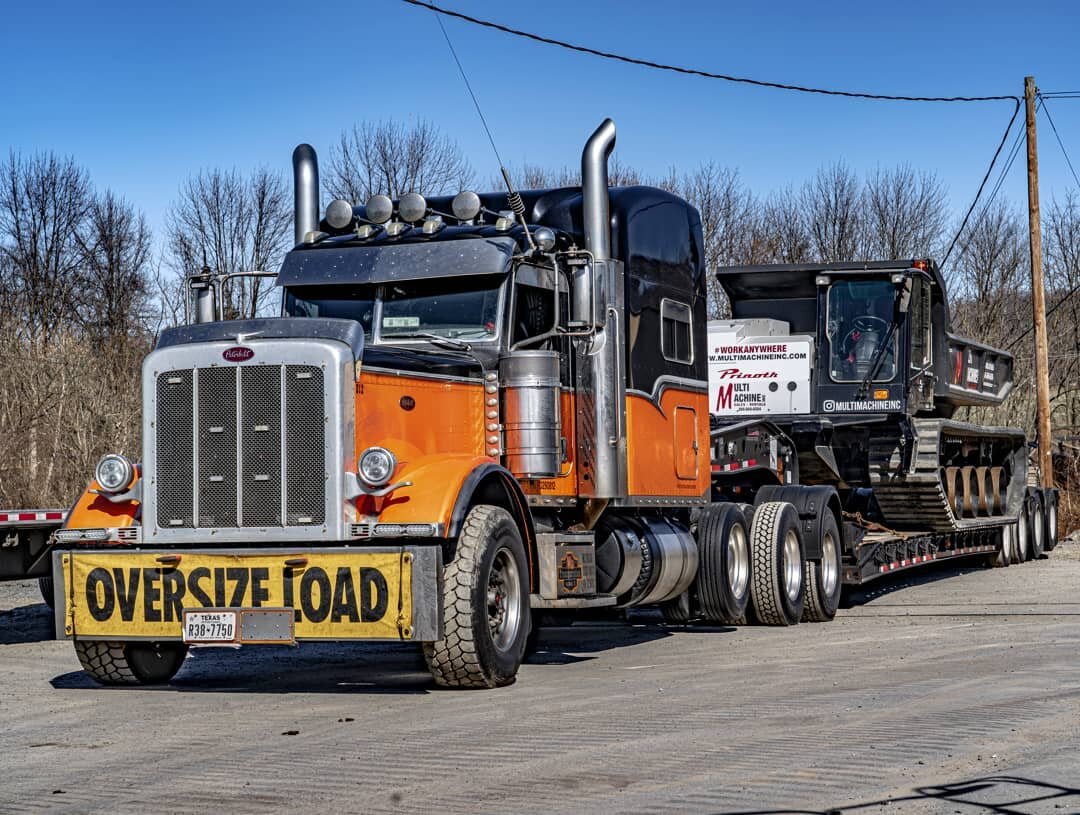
(465, 308)
(859, 315)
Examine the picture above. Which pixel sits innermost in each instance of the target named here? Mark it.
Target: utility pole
(1038, 297)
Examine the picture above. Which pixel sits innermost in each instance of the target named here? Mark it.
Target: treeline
(85, 287)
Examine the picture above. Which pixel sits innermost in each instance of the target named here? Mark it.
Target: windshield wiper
(436, 339)
(879, 352)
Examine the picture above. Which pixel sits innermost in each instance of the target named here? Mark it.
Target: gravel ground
(955, 690)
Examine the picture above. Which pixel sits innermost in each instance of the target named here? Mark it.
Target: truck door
(686, 446)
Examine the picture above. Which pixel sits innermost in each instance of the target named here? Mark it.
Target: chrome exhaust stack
(596, 219)
(305, 191)
(597, 301)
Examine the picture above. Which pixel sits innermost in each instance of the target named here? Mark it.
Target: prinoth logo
(876, 405)
(735, 373)
(237, 353)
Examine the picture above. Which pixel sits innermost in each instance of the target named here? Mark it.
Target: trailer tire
(1038, 527)
(130, 663)
(678, 610)
(45, 585)
(824, 578)
(1050, 504)
(722, 584)
(1003, 557)
(777, 588)
(1022, 550)
(486, 616)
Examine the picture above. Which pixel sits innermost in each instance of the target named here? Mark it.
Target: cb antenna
(512, 196)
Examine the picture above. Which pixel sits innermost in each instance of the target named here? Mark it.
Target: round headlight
(113, 472)
(376, 466)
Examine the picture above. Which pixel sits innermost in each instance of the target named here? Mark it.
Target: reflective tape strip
(25, 517)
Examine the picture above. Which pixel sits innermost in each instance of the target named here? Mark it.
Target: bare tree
(778, 232)
(833, 214)
(43, 200)
(231, 224)
(904, 213)
(115, 242)
(391, 158)
(1062, 268)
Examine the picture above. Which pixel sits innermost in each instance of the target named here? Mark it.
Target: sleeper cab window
(675, 332)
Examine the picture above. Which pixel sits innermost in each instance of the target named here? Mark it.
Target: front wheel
(130, 663)
(486, 620)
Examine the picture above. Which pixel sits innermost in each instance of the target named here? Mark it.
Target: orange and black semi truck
(478, 412)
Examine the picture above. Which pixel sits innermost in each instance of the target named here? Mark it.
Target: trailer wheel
(1003, 557)
(1050, 502)
(130, 663)
(777, 589)
(722, 584)
(45, 586)
(678, 610)
(1038, 527)
(1022, 551)
(823, 577)
(486, 618)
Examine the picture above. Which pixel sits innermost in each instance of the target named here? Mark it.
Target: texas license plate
(208, 627)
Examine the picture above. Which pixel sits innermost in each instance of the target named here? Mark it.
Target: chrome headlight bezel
(126, 472)
(376, 466)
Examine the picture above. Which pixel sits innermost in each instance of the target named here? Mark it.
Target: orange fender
(92, 511)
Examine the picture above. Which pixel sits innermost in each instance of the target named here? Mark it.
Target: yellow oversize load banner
(339, 595)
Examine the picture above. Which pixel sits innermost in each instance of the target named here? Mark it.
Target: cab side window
(676, 333)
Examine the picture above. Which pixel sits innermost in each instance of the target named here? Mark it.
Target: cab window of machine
(920, 324)
(345, 302)
(456, 308)
(860, 313)
(676, 333)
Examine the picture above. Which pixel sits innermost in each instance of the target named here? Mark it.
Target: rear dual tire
(777, 584)
(722, 584)
(824, 577)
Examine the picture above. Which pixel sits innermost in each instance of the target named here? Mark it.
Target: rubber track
(105, 662)
(765, 579)
(918, 499)
(453, 660)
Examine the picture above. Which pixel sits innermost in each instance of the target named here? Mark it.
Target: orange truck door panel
(686, 453)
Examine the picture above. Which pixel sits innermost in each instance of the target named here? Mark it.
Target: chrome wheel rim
(1037, 529)
(504, 600)
(1051, 521)
(792, 565)
(738, 560)
(830, 564)
(1021, 538)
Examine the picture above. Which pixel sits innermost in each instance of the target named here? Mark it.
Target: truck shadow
(888, 584)
(26, 624)
(314, 667)
(1002, 794)
(563, 645)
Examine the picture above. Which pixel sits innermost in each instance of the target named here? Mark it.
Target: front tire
(824, 577)
(777, 588)
(486, 618)
(45, 586)
(130, 663)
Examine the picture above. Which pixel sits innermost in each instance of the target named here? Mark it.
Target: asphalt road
(957, 691)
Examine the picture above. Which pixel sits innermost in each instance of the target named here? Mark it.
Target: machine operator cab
(860, 317)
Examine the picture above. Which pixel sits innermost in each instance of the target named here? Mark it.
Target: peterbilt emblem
(237, 354)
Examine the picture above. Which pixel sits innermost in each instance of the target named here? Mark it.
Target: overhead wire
(761, 83)
(1061, 144)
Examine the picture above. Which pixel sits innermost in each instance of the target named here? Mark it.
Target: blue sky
(144, 94)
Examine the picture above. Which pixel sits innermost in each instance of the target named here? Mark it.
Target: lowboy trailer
(480, 410)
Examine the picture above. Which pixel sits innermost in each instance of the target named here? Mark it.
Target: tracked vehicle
(481, 412)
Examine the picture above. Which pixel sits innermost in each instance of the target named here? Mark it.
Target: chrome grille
(306, 474)
(175, 450)
(241, 446)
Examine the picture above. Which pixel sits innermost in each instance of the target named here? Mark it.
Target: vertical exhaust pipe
(305, 190)
(596, 215)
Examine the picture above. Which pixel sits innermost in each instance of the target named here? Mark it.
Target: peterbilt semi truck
(482, 411)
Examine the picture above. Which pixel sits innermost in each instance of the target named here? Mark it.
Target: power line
(986, 177)
(1061, 144)
(694, 71)
(1049, 311)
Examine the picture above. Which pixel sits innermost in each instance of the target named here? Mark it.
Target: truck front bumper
(334, 593)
